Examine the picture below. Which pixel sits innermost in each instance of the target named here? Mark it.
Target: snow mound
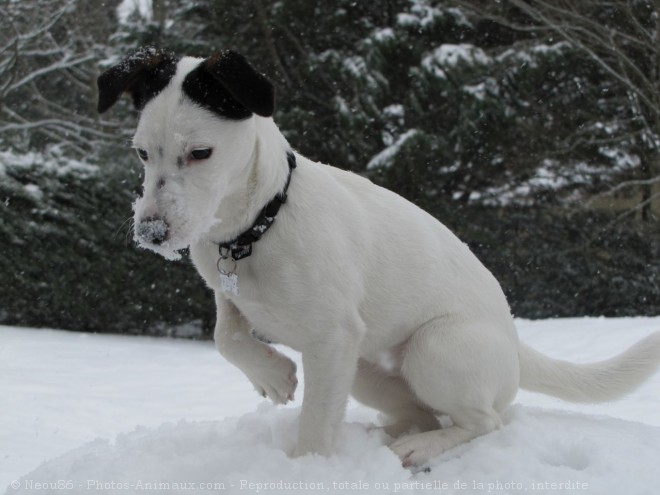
(538, 450)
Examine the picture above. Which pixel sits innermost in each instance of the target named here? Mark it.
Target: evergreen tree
(489, 117)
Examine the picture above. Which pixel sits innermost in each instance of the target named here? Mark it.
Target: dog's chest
(258, 295)
(270, 321)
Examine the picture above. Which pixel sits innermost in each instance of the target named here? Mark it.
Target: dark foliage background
(539, 148)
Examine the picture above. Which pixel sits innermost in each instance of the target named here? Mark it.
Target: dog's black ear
(144, 74)
(250, 88)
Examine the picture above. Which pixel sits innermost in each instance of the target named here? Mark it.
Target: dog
(381, 299)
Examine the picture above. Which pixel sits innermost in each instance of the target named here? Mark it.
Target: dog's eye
(144, 156)
(200, 154)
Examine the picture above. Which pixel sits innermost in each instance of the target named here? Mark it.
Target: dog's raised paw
(275, 377)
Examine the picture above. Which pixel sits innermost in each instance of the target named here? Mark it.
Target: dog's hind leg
(390, 394)
(418, 448)
(462, 371)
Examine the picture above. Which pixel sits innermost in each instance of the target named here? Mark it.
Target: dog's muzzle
(152, 230)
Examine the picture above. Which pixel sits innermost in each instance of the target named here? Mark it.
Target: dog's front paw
(275, 377)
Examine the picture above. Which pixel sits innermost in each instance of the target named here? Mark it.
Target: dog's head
(196, 137)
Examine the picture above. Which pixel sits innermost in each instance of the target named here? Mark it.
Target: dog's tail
(594, 382)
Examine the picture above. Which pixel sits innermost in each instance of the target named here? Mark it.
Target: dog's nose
(152, 230)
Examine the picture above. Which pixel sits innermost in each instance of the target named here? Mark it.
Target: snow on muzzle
(152, 230)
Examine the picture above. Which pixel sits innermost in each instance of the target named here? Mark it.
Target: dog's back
(401, 265)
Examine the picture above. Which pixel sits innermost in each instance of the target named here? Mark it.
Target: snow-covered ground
(83, 413)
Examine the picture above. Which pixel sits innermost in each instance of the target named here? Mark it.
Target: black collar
(241, 247)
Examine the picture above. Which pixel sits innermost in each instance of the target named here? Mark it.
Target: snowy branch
(56, 123)
(623, 185)
(47, 67)
(593, 39)
(66, 63)
(640, 206)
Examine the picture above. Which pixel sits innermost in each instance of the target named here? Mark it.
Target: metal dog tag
(229, 282)
(228, 279)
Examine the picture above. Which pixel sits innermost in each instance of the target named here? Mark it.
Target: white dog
(382, 300)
